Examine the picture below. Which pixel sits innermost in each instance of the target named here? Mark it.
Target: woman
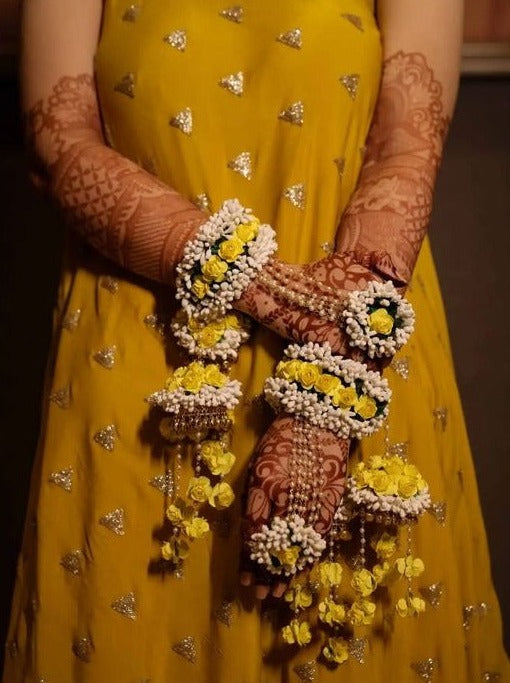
(200, 102)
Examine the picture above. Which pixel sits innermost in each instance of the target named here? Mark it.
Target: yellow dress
(195, 91)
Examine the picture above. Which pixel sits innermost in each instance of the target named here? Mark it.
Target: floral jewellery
(329, 391)
(377, 319)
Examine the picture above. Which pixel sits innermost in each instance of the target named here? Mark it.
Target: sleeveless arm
(120, 209)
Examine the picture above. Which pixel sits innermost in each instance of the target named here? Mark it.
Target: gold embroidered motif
(433, 593)
(126, 85)
(241, 164)
(340, 164)
(293, 114)
(470, 611)
(441, 415)
(234, 14)
(306, 672)
(438, 510)
(291, 38)
(183, 120)
(357, 649)
(296, 195)
(399, 448)
(202, 202)
(106, 437)
(72, 562)
(354, 20)
(425, 668)
(110, 284)
(71, 320)
(62, 478)
(177, 39)
(460, 477)
(82, 648)
(125, 605)
(401, 366)
(491, 676)
(328, 247)
(154, 322)
(163, 483)
(106, 357)
(12, 648)
(234, 83)
(114, 521)
(62, 397)
(224, 613)
(350, 83)
(132, 13)
(186, 648)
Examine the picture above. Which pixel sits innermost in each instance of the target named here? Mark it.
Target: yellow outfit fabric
(91, 603)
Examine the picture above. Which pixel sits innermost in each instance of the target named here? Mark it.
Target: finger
(261, 592)
(279, 589)
(246, 578)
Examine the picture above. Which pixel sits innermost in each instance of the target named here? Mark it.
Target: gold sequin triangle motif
(71, 320)
(401, 366)
(106, 437)
(234, 14)
(177, 39)
(306, 672)
(110, 284)
(491, 676)
(163, 483)
(234, 83)
(62, 478)
(72, 562)
(438, 510)
(425, 668)
(183, 120)
(354, 20)
(106, 357)
(399, 448)
(202, 201)
(433, 593)
(132, 13)
(350, 83)
(296, 195)
(82, 648)
(241, 164)
(61, 397)
(441, 416)
(126, 85)
(292, 38)
(224, 613)
(125, 605)
(340, 165)
(293, 114)
(114, 521)
(357, 648)
(186, 648)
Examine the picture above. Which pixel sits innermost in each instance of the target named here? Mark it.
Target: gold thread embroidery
(71, 320)
(425, 668)
(433, 593)
(125, 605)
(350, 83)
(224, 613)
(110, 284)
(234, 83)
(340, 165)
(106, 357)
(177, 39)
(292, 38)
(294, 114)
(132, 13)
(106, 437)
(401, 366)
(62, 397)
(114, 521)
(183, 120)
(242, 164)
(126, 85)
(202, 201)
(62, 478)
(296, 195)
(72, 562)
(186, 648)
(354, 20)
(163, 483)
(306, 672)
(441, 416)
(234, 14)
(82, 648)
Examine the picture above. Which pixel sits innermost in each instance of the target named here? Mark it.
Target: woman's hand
(270, 482)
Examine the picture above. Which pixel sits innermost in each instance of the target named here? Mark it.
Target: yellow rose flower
(410, 566)
(220, 463)
(208, 337)
(380, 571)
(174, 514)
(327, 384)
(308, 374)
(174, 550)
(331, 612)
(196, 527)
(199, 489)
(214, 376)
(288, 370)
(336, 651)
(192, 323)
(230, 249)
(366, 407)
(376, 462)
(407, 486)
(380, 482)
(411, 606)
(287, 557)
(330, 574)
(233, 322)
(167, 552)
(297, 632)
(214, 269)
(299, 597)
(344, 397)
(416, 605)
(361, 612)
(199, 288)
(394, 465)
(247, 232)
(211, 449)
(363, 582)
(401, 607)
(385, 545)
(381, 321)
(194, 378)
(175, 379)
(221, 495)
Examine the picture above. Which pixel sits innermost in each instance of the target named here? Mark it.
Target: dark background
(470, 238)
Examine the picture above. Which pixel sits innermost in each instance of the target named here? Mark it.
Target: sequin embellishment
(340, 165)
(296, 195)
(234, 83)
(433, 593)
(110, 284)
(82, 648)
(241, 164)
(62, 478)
(132, 13)
(438, 510)
(155, 323)
(106, 357)
(399, 448)
(163, 483)
(71, 320)
(125, 605)
(291, 38)
(470, 611)
(72, 562)
(234, 14)
(114, 521)
(106, 437)
(441, 415)
(327, 247)
(224, 613)
(401, 366)
(202, 201)
(12, 648)
(491, 676)
(177, 39)
(350, 83)
(186, 648)
(126, 85)
(61, 397)
(306, 672)
(425, 668)
(293, 114)
(357, 649)
(183, 120)
(355, 20)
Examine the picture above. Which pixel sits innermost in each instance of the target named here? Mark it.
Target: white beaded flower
(378, 320)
